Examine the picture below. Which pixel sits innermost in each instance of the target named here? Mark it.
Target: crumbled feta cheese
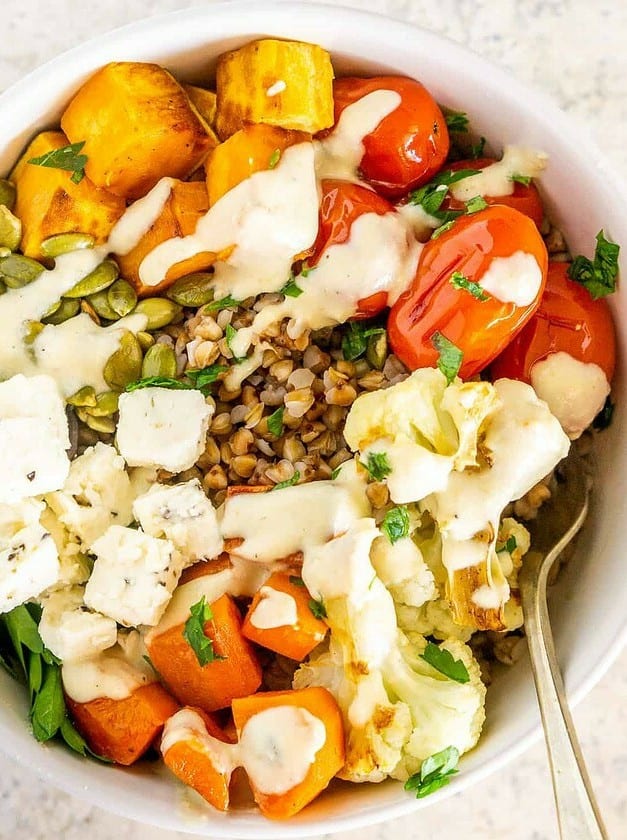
(33, 438)
(96, 494)
(159, 427)
(133, 577)
(70, 630)
(75, 566)
(28, 557)
(183, 514)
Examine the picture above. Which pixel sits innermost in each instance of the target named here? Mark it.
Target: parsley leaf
(275, 157)
(475, 204)
(289, 482)
(336, 472)
(604, 417)
(458, 281)
(477, 149)
(67, 158)
(318, 608)
(444, 662)
(203, 378)
(456, 121)
(355, 339)
(291, 288)
(377, 465)
(158, 382)
(525, 180)
(431, 196)
(442, 229)
(434, 773)
(194, 633)
(509, 545)
(306, 269)
(224, 303)
(450, 356)
(296, 580)
(599, 274)
(230, 333)
(395, 524)
(275, 421)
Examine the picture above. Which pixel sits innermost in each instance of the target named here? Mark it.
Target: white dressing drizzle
(275, 609)
(113, 673)
(515, 279)
(496, 179)
(187, 725)
(139, 218)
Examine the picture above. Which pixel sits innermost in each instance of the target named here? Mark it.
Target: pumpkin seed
(100, 304)
(101, 424)
(121, 297)
(192, 290)
(63, 243)
(17, 271)
(88, 309)
(377, 350)
(160, 360)
(10, 229)
(158, 311)
(33, 328)
(106, 404)
(7, 193)
(145, 340)
(61, 312)
(96, 281)
(84, 397)
(125, 365)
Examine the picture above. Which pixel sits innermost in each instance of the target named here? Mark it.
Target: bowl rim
(32, 755)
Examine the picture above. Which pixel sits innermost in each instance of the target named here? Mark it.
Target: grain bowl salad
(287, 362)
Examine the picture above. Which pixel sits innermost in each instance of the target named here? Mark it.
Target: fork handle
(577, 811)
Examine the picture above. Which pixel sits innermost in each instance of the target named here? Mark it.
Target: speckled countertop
(574, 50)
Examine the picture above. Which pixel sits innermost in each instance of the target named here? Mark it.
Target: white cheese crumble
(71, 631)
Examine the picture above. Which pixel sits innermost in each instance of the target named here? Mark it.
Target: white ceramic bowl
(590, 603)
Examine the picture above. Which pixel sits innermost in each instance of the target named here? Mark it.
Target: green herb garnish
(275, 157)
(525, 180)
(442, 229)
(289, 482)
(275, 422)
(318, 608)
(395, 524)
(296, 580)
(203, 378)
(456, 121)
(509, 545)
(194, 633)
(355, 339)
(444, 662)
(435, 772)
(475, 204)
(306, 269)
(450, 356)
(230, 333)
(336, 472)
(158, 382)
(224, 303)
(377, 465)
(291, 288)
(477, 149)
(432, 195)
(458, 281)
(66, 158)
(599, 274)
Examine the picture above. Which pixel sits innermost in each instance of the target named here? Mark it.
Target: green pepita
(96, 281)
(145, 339)
(7, 193)
(104, 425)
(33, 328)
(83, 398)
(159, 312)
(192, 290)
(121, 297)
(106, 404)
(377, 350)
(65, 310)
(10, 229)
(63, 243)
(160, 360)
(100, 305)
(125, 365)
(17, 271)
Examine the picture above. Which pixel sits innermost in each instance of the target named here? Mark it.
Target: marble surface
(574, 50)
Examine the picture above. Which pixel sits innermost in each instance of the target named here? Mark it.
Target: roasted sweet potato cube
(49, 202)
(138, 125)
(284, 83)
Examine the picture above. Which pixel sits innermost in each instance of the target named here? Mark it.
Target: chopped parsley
(275, 422)
(295, 580)
(599, 274)
(194, 633)
(202, 378)
(442, 229)
(444, 662)
(509, 545)
(291, 288)
(516, 178)
(336, 472)
(318, 608)
(289, 482)
(435, 772)
(450, 356)
(456, 121)
(432, 195)
(275, 157)
(475, 204)
(67, 158)
(230, 332)
(395, 524)
(306, 269)
(378, 465)
(458, 281)
(224, 303)
(355, 339)
(477, 149)
(158, 382)
(604, 417)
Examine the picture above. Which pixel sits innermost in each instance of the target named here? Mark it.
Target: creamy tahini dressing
(275, 609)
(139, 218)
(496, 179)
(340, 153)
(111, 674)
(269, 218)
(514, 279)
(187, 725)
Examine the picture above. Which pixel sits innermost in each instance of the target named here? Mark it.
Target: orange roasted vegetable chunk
(138, 125)
(48, 202)
(252, 149)
(292, 640)
(214, 685)
(122, 730)
(185, 205)
(191, 754)
(328, 760)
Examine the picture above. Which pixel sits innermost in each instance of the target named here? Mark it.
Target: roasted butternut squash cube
(185, 205)
(138, 125)
(49, 202)
(284, 83)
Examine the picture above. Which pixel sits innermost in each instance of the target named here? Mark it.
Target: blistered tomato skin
(480, 328)
(567, 320)
(408, 146)
(342, 202)
(525, 199)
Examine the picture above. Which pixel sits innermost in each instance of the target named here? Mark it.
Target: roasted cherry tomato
(408, 146)
(567, 320)
(342, 202)
(525, 199)
(435, 302)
